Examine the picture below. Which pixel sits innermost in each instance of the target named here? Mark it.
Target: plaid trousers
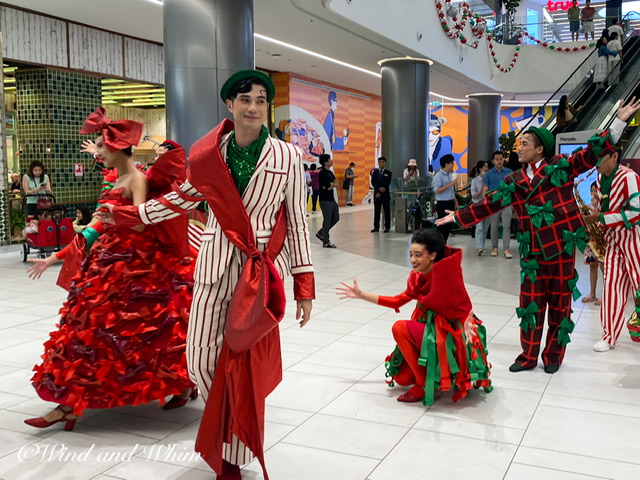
(552, 294)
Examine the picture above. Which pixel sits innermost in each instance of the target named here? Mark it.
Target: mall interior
(358, 79)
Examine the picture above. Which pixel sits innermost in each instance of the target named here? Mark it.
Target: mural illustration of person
(438, 146)
(337, 143)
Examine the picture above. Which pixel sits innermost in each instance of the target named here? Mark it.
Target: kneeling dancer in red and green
(551, 227)
(443, 346)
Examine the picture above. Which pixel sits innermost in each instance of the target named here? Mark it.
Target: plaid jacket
(545, 206)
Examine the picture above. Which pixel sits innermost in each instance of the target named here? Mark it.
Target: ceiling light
(314, 54)
(460, 101)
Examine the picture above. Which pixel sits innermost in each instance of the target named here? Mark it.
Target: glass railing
(589, 96)
(555, 31)
(576, 83)
(632, 150)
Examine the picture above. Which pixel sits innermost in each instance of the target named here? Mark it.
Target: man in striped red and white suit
(239, 168)
(551, 226)
(619, 214)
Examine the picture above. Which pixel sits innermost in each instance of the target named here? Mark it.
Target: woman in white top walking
(477, 195)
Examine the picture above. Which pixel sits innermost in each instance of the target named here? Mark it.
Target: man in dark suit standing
(380, 181)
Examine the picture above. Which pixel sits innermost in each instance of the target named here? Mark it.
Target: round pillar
(484, 126)
(405, 109)
(205, 41)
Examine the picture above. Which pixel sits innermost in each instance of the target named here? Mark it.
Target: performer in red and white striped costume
(619, 213)
(247, 178)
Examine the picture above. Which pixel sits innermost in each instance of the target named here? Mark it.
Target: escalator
(599, 105)
(631, 142)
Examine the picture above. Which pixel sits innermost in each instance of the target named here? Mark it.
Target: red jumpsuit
(432, 350)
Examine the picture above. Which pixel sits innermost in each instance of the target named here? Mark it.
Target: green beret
(241, 75)
(546, 137)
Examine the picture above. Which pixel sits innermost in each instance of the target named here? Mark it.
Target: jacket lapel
(265, 156)
(538, 177)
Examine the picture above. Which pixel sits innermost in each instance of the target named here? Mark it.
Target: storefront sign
(555, 6)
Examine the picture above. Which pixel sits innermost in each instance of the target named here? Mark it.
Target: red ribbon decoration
(117, 135)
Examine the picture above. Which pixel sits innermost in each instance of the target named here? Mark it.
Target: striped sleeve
(177, 202)
(295, 203)
(625, 202)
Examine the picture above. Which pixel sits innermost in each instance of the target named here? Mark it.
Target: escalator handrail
(559, 89)
(582, 87)
(628, 91)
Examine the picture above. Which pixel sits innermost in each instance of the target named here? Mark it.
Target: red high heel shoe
(178, 401)
(40, 422)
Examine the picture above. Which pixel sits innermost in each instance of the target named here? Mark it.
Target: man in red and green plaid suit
(551, 226)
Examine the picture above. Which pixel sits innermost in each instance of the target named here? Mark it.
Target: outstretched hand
(103, 213)
(625, 112)
(89, 147)
(446, 219)
(349, 291)
(39, 266)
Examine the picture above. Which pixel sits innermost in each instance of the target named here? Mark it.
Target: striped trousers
(204, 342)
(621, 276)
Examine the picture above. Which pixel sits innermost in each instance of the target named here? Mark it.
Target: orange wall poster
(322, 118)
(448, 131)
(345, 123)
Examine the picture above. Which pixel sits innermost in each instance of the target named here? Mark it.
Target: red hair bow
(117, 135)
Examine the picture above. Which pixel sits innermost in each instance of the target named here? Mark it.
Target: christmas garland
(478, 28)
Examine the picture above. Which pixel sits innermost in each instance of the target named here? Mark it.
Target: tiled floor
(333, 417)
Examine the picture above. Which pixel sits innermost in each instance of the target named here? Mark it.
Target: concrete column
(205, 41)
(405, 112)
(484, 126)
(613, 12)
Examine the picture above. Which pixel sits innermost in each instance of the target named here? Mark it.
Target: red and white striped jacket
(278, 178)
(624, 200)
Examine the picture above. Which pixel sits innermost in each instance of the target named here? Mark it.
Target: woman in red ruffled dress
(443, 346)
(121, 338)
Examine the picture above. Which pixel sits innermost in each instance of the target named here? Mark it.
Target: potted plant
(17, 222)
(510, 7)
(507, 143)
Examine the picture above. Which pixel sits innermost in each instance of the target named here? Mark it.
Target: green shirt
(242, 161)
(573, 13)
(605, 191)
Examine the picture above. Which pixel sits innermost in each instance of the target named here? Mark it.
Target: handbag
(345, 184)
(44, 204)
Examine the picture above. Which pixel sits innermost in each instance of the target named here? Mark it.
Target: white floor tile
(293, 462)
(518, 471)
(582, 464)
(345, 435)
(374, 408)
(333, 416)
(437, 455)
(599, 435)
